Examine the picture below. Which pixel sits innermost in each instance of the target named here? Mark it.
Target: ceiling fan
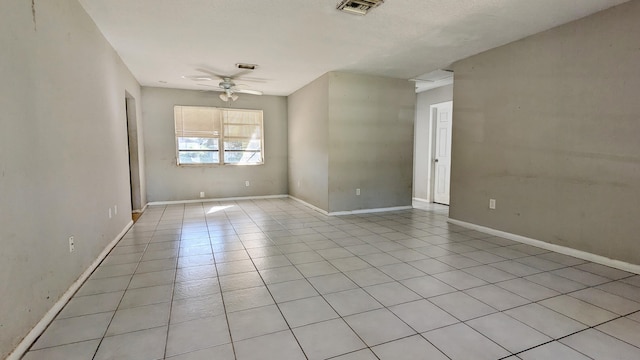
(227, 86)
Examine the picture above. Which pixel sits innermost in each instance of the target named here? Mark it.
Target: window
(208, 135)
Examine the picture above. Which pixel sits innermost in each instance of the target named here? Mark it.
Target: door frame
(133, 150)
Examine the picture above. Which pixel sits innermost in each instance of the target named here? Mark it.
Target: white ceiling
(296, 41)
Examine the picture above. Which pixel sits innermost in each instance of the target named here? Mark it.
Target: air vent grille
(358, 7)
(246, 66)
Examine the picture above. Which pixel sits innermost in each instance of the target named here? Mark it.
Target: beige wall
(63, 155)
(549, 126)
(309, 143)
(423, 139)
(370, 141)
(167, 181)
(349, 131)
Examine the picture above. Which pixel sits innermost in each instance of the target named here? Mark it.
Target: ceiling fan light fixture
(227, 97)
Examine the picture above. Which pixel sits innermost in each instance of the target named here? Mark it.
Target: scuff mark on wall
(33, 12)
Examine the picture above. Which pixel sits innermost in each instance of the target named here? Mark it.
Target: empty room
(347, 179)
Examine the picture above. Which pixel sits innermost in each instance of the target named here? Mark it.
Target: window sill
(217, 165)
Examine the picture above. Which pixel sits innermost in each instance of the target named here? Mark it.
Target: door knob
(436, 160)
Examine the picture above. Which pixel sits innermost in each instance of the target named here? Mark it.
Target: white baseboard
(368, 211)
(324, 212)
(350, 212)
(552, 247)
(41, 326)
(141, 210)
(152, 203)
(422, 200)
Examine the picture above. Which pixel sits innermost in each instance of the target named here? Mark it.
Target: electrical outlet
(72, 246)
(110, 213)
(201, 194)
(246, 183)
(115, 209)
(492, 204)
(358, 192)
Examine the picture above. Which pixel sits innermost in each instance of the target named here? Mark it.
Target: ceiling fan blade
(247, 91)
(198, 77)
(212, 73)
(251, 79)
(213, 87)
(240, 73)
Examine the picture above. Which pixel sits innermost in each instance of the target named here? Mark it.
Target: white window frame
(219, 135)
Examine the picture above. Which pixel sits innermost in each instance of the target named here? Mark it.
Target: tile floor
(272, 279)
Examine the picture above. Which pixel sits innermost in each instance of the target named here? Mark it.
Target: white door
(442, 155)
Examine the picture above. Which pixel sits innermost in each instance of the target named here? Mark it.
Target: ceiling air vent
(246, 66)
(358, 7)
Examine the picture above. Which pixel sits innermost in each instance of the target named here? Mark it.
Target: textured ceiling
(296, 41)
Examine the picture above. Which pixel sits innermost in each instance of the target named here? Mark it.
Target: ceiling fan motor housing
(226, 84)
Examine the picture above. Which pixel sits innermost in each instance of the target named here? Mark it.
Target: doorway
(134, 161)
(441, 120)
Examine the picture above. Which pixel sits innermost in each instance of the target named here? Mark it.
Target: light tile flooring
(272, 279)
